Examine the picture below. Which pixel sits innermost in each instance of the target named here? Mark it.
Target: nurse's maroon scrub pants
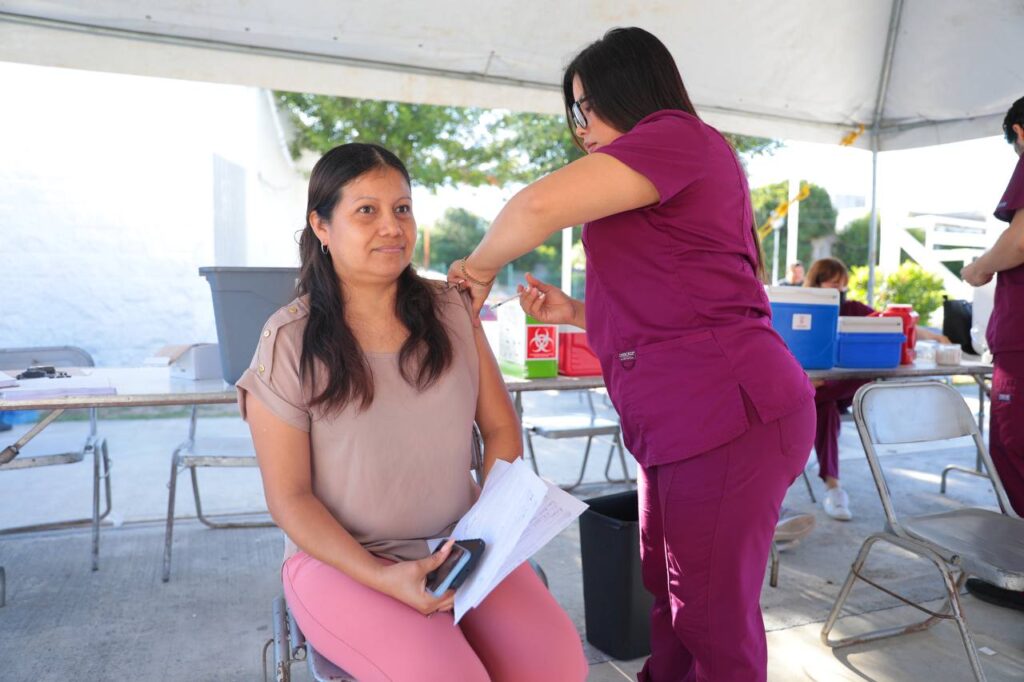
(1006, 425)
(706, 526)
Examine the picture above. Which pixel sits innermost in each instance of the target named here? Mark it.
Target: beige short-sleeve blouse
(398, 472)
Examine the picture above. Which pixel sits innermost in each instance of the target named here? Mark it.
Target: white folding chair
(195, 453)
(14, 360)
(578, 425)
(960, 543)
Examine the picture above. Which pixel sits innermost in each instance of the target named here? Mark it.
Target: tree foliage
(852, 243)
(457, 232)
(454, 235)
(909, 284)
(444, 145)
(449, 146)
(817, 215)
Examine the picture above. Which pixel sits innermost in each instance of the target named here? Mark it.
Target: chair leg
(282, 661)
(97, 457)
(979, 472)
(810, 490)
(617, 445)
(172, 486)
(952, 603)
(106, 480)
(773, 578)
(583, 467)
(529, 447)
(219, 524)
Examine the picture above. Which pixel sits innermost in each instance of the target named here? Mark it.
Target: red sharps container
(905, 311)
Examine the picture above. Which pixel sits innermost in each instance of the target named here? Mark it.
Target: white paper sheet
(517, 514)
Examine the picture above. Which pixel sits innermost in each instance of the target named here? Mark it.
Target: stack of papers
(517, 514)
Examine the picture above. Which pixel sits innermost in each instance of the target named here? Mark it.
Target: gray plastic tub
(243, 299)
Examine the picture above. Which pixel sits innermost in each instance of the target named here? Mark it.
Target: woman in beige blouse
(361, 399)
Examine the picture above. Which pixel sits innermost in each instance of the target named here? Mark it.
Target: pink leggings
(519, 632)
(828, 399)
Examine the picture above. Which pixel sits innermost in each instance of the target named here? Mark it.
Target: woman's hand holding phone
(406, 581)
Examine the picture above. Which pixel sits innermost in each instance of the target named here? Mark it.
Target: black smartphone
(461, 561)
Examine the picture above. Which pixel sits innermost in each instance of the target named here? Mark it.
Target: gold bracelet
(471, 278)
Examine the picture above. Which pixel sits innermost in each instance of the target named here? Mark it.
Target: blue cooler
(806, 319)
(870, 342)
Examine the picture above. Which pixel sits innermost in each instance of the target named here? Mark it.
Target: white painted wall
(107, 206)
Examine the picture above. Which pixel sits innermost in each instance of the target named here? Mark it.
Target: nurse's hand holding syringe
(549, 304)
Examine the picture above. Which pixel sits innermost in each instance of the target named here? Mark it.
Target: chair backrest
(57, 356)
(892, 413)
(915, 412)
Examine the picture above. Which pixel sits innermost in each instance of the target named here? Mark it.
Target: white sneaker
(837, 504)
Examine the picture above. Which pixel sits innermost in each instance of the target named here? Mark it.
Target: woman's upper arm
(282, 452)
(494, 409)
(588, 189)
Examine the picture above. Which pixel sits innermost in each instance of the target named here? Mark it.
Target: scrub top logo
(540, 342)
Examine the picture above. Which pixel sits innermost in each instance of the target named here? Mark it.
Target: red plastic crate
(575, 359)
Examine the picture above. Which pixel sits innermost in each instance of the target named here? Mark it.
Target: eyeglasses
(578, 117)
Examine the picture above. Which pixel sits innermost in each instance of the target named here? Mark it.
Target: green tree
(851, 244)
(444, 145)
(448, 146)
(817, 215)
(909, 284)
(455, 234)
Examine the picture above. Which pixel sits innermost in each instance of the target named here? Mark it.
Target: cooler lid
(870, 325)
(803, 295)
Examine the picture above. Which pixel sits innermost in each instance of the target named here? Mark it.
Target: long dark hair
(628, 75)
(426, 353)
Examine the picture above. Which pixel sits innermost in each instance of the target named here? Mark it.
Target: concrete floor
(62, 621)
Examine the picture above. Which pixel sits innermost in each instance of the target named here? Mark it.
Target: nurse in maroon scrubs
(713, 406)
(1005, 336)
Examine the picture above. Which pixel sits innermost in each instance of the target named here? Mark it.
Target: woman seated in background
(361, 400)
(833, 397)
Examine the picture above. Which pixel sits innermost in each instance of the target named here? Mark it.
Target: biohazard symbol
(541, 343)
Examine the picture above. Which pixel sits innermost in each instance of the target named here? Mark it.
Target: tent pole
(567, 260)
(873, 227)
(876, 124)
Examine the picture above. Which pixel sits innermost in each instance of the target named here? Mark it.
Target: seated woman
(832, 397)
(361, 400)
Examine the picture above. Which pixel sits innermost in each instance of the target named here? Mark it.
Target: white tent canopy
(791, 69)
(912, 72)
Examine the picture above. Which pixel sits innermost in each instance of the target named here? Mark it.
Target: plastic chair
(14, 360)
(578, 425)
(960, 543)
(193, 454)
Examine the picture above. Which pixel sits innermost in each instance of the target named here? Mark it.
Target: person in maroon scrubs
(1005, 336)
(831, 398)
(714, 407)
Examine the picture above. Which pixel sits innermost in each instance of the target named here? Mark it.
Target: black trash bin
(616, 606)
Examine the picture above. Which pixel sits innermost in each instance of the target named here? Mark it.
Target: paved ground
(63, 621)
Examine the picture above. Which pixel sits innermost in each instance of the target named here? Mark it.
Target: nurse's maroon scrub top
(675, 311)
(1006, 325)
